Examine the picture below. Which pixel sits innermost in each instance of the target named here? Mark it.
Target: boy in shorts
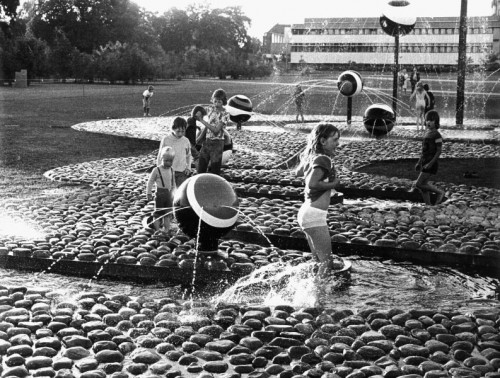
(164, 178)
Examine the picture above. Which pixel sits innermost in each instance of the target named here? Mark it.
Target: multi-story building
(276, 43)
(433, 42)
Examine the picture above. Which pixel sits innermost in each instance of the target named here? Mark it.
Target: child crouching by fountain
(427, 165)
(318, 170)
(164, 178)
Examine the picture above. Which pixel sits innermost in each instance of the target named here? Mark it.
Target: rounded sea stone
(370, 352)
(136, 368)
(392, 331)
(77, 340)
(62, 363)
(87, 364)
(222, 346)
(16, 371)
(107, 356)
(38, 362)
(215, 367)
(241, 359)
(413, 350)
(208, 355)
(14, 360)
(145, 356)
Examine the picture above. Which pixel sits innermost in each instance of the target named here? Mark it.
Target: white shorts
(309, 217)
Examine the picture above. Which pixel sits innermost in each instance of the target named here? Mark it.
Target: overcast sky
(266, 13)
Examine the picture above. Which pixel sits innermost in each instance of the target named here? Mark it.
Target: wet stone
(38, 362)
(14, 360)
(284, 342)
(16, 371)
(87, 364)
(62, 363)
(252, 343)
(107, 356)
(136, 368)
(145, 356)
(222, 346)
(208, 355)
(160, 367)
(81, 341)
(370, 352)
(215, 367)
(298, 351)
(23, 350)
(241, 359)
(284, 358)
(392, 331)
(187, 359)
(174, 355)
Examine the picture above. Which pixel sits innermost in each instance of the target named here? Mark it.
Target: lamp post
(462, 58)
(397, 20)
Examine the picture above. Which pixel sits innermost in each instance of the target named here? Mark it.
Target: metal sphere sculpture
(397, 18)
(239, 108)
(350, 83)
(379, 119)
(206, 208)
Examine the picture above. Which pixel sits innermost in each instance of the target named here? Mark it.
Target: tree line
(117, 40)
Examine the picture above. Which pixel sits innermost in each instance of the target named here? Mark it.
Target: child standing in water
(182, 148)
(299, 98)
(421, 97)
(320, 179)
(164, 178)
(427, 165)
(212, 149)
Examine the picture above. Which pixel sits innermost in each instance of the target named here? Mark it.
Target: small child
(182, 149)
(164, 178)
(427, 165)
(421, 98)
(146, 100)
(299, 98)
(317, 168)
(192, 128)
(212, 149)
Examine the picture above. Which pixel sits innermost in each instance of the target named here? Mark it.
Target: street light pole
(462, 59)
(395, 77)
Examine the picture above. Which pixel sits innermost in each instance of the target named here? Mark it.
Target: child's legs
(320, 243)
(424, 187)
(313, 223)
(203, 159)
(216, 150)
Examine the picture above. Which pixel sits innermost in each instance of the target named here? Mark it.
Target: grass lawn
(35, 123)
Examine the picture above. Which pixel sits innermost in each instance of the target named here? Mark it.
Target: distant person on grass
(182, 149)
(427, 165)
(164, 178)
(317, 168)
(146, 100)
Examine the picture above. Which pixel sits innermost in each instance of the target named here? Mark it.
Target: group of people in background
(185, 143)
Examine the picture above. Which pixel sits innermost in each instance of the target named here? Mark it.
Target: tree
(175, 30)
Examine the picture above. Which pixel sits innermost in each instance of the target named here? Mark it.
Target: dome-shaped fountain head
(379, 119)
(350, 83)
(398, 18)
(206, 207)
(239, 108)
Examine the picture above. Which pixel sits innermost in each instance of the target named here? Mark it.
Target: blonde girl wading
(320, 179)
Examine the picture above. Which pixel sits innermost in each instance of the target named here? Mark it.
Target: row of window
(371, 31)
(387, 48)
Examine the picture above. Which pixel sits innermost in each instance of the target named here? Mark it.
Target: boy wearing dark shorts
(427, 165)
(163, 177)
